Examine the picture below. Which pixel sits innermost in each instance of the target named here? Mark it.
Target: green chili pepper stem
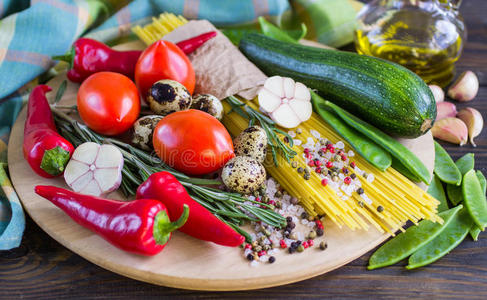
(163, 226)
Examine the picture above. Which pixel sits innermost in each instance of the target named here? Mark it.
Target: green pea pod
(445, 168)
(373, 153)
(465, 163)
(482, 180)
(396, 149)
(436, 190)
(404, 171)
(475, 231)
(474, 199)
(277, 33)
(447, 240)
(406, 243)
(454, 194)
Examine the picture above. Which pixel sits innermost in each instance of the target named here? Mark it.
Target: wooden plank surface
(41, 268)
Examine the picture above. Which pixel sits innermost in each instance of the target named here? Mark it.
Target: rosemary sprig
(139, 165)
(276, 144)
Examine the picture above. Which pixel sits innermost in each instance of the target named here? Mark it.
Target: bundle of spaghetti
(390, 199)
(165, 23)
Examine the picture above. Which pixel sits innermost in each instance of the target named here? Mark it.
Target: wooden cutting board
(187, 262)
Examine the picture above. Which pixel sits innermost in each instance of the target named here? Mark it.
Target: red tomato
(108, 103)
(163, 60)
(192, 142)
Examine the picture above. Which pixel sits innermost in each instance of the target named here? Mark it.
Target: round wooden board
(187, 262)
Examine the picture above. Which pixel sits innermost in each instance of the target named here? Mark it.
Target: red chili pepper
(44, 149)
(90, 56)
(201, 223)
(141, 226)
(190, 45)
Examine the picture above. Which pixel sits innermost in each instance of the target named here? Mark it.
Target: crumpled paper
(221, 69)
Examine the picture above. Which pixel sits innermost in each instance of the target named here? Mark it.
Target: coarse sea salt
(351, 153)
(340, 145)
(297, 142)
(315, 133)
(291, 133)
(254, 263)
(370, 177)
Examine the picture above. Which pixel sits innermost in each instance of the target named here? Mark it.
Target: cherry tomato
(108, 103)
(163, 60)
(192, 142)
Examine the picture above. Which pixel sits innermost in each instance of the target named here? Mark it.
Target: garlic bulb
(94, 169)
(288, 103)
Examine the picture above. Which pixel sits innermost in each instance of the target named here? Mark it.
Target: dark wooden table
(41, 268)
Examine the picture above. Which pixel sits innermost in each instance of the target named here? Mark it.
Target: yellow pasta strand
(392, 198)
(165, 23)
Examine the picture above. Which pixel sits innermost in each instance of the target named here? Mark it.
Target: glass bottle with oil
(426, 36)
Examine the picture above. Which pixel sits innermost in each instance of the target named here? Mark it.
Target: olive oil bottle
(426, 36)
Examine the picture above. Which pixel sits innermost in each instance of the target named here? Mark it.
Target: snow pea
(445, 168)
(404, 171)
(406, 243)
(482, 180)
(474, 199)
(465, 163)
(436, 190)
(475, 231)
(454, 194)
(396, 149)
(447, 240)
(373, 153)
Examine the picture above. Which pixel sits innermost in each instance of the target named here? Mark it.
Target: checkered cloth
(33, 31)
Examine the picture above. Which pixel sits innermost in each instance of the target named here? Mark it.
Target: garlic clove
(301, 92)
(81, 182)
(474, 121)
(94, 169)
(465, 87)
(275, 85)
(438, 93)
(86, 152)
(91, 189)
(108, 157)
(107, 178)
(285, 116)
(302, 109)
(288, 84)
(452, 130)
(445, 110)
(268, 101)
(74, 170)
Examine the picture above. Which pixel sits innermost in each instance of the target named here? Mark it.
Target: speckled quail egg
(168, 96)
(143, 129)
(243, 174)
(209, 104)
(251, 142)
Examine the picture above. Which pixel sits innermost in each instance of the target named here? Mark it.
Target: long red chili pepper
(89, 56)
(201, 223)
(141, 226)
(44, 149)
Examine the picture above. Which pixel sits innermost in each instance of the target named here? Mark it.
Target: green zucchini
(382, 93)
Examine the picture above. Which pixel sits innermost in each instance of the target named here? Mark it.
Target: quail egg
(252, 142)
(209, 104)
(143, 129)
(243, 174)
(168, 96)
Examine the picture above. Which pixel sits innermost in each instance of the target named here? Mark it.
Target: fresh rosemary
(232, 208)
(276, 144)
